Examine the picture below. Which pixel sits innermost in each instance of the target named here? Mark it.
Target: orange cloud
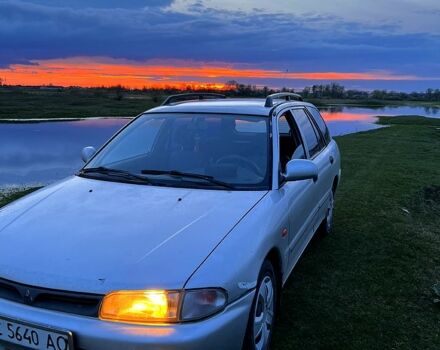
(92, 72)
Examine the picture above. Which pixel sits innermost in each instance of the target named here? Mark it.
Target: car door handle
(331, 159)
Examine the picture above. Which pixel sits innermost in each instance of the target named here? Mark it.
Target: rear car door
(317, 151)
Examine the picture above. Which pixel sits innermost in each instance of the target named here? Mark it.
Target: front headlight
(159, 306)
(140, 306)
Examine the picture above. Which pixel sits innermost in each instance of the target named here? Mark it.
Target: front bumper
(224, 331)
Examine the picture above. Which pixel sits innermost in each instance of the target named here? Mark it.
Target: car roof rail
(288, 96)
(191, 96)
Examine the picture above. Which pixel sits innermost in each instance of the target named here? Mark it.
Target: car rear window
(321, 123)
(308, 130)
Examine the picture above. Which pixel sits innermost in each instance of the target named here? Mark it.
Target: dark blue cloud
(142, 30)
(131, 4)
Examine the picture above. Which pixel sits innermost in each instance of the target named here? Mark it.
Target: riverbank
(9, 195)
(369, 284)
(44, 120)
(73, 104)
(371, 103)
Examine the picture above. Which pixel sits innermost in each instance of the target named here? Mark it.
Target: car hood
(96, 236)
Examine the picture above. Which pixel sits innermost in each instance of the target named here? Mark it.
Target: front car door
(295, 194)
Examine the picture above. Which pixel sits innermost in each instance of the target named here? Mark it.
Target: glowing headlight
(159, 306)
(140, 306)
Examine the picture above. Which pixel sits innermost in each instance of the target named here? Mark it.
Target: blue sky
(390, 37)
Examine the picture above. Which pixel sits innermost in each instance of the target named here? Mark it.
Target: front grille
(70, 302)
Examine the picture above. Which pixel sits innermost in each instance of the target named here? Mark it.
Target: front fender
(236, 262)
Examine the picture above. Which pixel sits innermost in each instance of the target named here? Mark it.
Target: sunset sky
(390, 44)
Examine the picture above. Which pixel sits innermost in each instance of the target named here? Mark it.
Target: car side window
(309, 131)
(291, 146)
(321, 123)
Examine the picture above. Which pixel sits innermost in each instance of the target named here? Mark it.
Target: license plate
(32, 336)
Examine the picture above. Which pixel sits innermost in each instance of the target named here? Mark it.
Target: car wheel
(262, 316)
(327, 224)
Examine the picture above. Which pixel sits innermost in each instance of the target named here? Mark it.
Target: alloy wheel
(264, 313)
(329, 216)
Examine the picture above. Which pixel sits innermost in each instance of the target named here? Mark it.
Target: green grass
(10, 196)
(75, 103)
(370, 284)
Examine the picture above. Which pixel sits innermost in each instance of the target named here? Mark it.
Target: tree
(119, 90)
(232, 84)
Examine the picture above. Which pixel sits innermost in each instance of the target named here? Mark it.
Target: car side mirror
(301, 169)
(87, 153)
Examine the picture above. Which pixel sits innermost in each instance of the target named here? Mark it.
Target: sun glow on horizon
(97, 72)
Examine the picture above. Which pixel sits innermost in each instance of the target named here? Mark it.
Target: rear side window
(308, 130)
(321, 124)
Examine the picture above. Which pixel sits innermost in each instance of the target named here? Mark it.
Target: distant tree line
(336, 91)
(235, 89)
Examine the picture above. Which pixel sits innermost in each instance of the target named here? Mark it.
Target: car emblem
(28, 297)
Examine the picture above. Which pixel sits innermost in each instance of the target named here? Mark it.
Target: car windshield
(188, 150)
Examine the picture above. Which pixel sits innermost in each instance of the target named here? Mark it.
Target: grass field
(75, 103)
(369, 284)
(35, 103)
(12, 195)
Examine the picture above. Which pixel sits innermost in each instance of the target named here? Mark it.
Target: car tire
(327, 223)
(263, 311)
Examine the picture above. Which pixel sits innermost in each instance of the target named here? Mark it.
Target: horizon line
(179, 74)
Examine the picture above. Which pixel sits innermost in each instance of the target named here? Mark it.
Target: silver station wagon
(179, 233)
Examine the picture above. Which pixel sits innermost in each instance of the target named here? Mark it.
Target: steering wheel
(242, 161)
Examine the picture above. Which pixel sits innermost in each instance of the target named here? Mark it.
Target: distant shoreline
(45, 120)
(36, 105)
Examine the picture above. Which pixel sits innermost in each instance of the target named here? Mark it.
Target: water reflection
(39, 153)
(341, 123)
(346, 119)
(427, 111)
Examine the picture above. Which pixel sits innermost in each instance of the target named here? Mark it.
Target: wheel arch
(274, 256)
(335, 184)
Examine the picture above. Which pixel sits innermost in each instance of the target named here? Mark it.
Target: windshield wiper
(208, 178)
(114, 172)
